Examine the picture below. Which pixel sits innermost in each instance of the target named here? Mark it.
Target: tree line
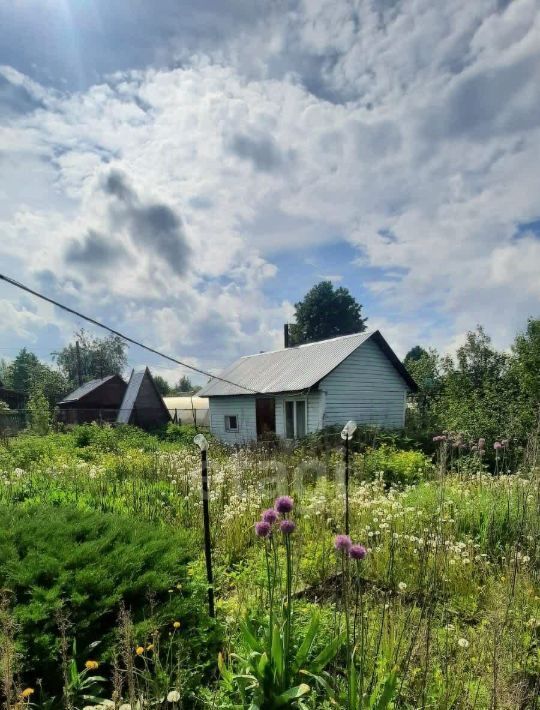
(481, 391)
(85, 358)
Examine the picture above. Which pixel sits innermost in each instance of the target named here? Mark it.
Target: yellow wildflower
(92, 665)
(139, 650)
(150, 647)
(176, 624)
(27, 692)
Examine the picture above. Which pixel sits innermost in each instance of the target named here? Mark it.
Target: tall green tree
(479, 393)
(526, 369)
(185, 386)
(326, 312)
(415, 353)
(425, 369)
(163, 387)
(96, 357)
(23, 371)
(27, 374)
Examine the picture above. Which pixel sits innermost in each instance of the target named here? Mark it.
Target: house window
(295, 418)
(231, 422)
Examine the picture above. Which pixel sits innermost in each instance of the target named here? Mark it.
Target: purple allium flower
(269, 516)
(342, 543)
(287, 527)
(497, 445)
(284, 504)
(262, 528)
(481, 443)
(358, 552)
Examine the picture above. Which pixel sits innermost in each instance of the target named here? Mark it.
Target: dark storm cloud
(156, 228)
(261, 150)
(95, 251)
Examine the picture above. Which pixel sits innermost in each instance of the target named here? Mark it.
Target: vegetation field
(433, 602)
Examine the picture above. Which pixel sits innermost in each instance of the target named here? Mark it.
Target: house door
(265, 409)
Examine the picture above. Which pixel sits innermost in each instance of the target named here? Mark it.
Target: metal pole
(79, 368)
(347, 485)
(207, 544)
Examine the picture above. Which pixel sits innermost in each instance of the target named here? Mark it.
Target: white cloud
(410, 130)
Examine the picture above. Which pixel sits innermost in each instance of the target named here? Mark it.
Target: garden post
(346, 434)
(347, 486)
(202, 443)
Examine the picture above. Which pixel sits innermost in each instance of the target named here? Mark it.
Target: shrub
(113, 439)
(396, 466)
(39, 415)
(90, 563)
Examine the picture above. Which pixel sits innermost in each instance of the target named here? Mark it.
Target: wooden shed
(97, 400)
(142, 404)
(13, 398)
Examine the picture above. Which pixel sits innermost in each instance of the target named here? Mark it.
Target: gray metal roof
(85, 389)
(130, 396)
(294, 369)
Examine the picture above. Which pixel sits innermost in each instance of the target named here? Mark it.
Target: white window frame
(227, 419)
(294, 401)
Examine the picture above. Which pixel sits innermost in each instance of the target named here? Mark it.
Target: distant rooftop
(85, 389)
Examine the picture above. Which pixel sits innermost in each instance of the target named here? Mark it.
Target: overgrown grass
(448, 599)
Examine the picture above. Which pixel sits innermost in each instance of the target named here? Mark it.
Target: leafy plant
(396, 466)
(270, 676)
(90, 563)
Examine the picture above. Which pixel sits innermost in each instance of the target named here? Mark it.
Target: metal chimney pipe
(286, 335)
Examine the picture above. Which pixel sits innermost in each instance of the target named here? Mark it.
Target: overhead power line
(127, 338)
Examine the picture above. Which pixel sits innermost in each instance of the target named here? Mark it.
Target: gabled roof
(88, 387)
(297, 368)
(132, 392)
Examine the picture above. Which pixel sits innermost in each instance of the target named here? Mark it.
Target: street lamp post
(346, 434)
(202, 443)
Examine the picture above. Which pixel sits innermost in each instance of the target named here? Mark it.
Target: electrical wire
(127, 338)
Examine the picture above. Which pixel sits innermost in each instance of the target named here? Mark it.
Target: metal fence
(13, 421)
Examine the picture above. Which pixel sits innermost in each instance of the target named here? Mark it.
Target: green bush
(113, 439)
(395, 465)
(90, 563)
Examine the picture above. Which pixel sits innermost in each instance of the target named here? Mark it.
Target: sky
(186, 171)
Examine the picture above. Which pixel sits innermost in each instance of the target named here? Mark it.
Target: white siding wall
(243, 408)
(314, 411)
(365, 387)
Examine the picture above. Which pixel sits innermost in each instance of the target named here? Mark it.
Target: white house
(298, 390)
